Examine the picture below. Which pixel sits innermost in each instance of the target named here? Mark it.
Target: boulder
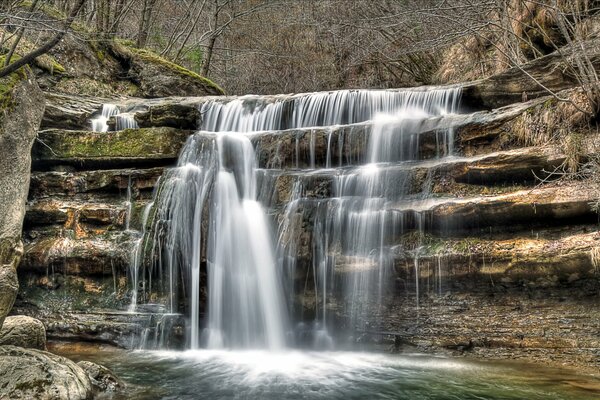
(36, 374)
(23, 331)
(21, 109)
(101, 377)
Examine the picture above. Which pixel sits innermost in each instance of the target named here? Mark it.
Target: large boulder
(21, 110)
(36, 374)
(23, 331)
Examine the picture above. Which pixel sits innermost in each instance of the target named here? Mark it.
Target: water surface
(220, 374)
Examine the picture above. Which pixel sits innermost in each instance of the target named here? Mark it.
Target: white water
(122, 120)
(214, 191)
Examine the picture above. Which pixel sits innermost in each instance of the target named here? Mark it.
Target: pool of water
(207, 374)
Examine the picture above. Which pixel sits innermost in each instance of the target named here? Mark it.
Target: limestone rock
(19, 122)
(101, 377)
(23, 331)
(36, 374)
(10, 256)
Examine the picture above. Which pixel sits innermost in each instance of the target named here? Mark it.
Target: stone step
(349, 144)
(539, 260)
(55, 183)
(86, 256)
(90, 150)
(70, 213)
(70, 112)
(551, 205)
(294, 148)
(439, 176)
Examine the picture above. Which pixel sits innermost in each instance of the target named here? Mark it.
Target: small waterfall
(122, 120)
(125, 121)
(100, 123)
(214, 218)
(137, 257)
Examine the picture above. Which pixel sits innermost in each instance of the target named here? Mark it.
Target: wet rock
(23, 331)
(65, 111)
(101, 377)
(175, 115)
(148, 146)
(53, 183)
(95, 255)
(36, 374)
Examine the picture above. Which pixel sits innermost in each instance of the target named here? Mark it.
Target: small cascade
(125, 121)
(122, 120)
(100, 123)
(137, 257)
(227, 240)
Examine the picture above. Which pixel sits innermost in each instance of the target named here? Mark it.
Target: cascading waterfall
(212, 210)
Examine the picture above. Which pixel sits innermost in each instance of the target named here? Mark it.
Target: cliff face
(505, 265)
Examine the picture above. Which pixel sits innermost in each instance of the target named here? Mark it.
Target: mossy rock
(96, 149)
(158, 77)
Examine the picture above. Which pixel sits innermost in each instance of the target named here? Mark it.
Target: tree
(13, 65)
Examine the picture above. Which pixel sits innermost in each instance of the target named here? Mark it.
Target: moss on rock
(78, 147)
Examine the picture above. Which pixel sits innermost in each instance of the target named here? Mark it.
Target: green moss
(152, 57)
(145, 143)
(7, 84)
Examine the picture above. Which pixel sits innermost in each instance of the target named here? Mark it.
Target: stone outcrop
(35, 374)
(83, 65)
(23, 331)
(19, 121)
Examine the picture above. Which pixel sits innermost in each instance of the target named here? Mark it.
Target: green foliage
(194, 58)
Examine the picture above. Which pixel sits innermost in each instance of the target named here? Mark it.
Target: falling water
(122, 120)
(210, 210)
(100, 123)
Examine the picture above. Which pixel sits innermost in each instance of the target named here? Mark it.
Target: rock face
(19, 122)
(23, 331)
(35, 374)
(470, 267)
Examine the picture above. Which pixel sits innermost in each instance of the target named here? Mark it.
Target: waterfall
(215, 225)
(122, 120)
(99, 123)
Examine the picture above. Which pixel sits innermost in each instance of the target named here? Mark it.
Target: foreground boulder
(36, 374)
(23, 331)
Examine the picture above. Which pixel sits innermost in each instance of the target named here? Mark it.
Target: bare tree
(43, 49)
